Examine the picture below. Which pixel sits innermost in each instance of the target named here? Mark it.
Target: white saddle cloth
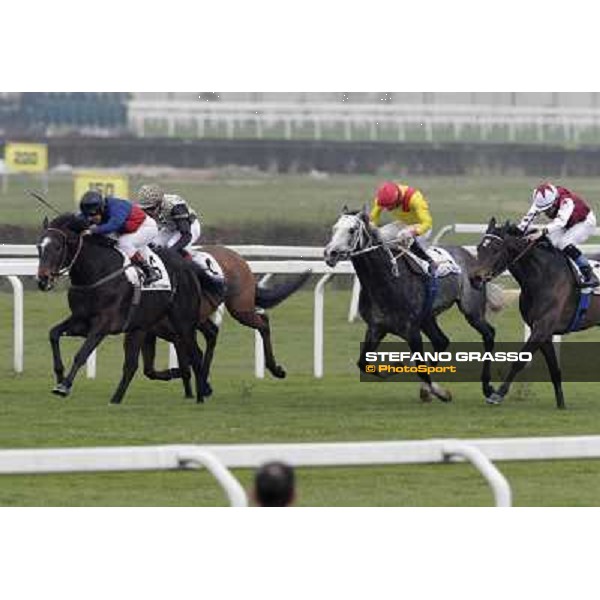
(208, 262)
(133, 274)
(445, 262)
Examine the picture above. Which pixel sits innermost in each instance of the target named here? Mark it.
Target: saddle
(446, 265)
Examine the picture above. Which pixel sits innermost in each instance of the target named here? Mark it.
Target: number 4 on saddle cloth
(136, 277)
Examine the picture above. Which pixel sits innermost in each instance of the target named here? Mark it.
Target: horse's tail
(270, 297)
(495, 297)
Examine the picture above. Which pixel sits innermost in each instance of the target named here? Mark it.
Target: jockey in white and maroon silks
(573, 222)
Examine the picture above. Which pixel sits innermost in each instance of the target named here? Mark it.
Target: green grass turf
(300, 409)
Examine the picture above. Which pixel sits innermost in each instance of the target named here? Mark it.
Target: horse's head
(351, 233)
(57, 247)
(499, 248)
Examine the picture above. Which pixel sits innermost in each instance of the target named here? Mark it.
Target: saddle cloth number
(162, 285)
(208, 263)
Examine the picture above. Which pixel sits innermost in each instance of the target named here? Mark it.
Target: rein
(519, 256)
(102, 281)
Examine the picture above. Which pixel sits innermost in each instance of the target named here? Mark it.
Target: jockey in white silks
(573, 222)
(178, 229)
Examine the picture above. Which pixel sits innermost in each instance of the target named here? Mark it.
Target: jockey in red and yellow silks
(412, 218)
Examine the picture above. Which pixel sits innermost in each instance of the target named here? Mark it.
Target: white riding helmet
(545, 196)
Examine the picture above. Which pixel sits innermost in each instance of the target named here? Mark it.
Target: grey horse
(395, 292)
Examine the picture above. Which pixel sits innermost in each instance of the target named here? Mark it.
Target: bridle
(64, 251)
(528, 247)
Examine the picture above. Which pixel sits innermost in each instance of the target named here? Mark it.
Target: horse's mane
(69, 221)
(513, 230)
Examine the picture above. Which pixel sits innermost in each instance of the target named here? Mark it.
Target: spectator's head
(274, 485)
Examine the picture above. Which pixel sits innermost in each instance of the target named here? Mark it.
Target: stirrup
(589, 283)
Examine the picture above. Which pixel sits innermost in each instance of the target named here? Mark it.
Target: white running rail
(481, 453)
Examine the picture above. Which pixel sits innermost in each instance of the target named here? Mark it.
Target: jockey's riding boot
(590, 280)
(420, 252)
(151, 275)
(586, 270)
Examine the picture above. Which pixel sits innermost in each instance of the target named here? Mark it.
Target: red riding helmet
(388, 195)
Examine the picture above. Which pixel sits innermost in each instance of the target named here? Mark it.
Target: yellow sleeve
(376, 213)
(422, 213)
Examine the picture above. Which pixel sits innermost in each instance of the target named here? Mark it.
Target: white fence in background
(349, 121)
(219, 459)
(21, 264)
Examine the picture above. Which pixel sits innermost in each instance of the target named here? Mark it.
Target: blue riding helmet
(92, 203)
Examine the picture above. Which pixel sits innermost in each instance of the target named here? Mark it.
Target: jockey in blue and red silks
(573, 222)
(133, 227)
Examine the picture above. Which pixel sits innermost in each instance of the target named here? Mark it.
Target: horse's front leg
(539, 336)
(94, 338)
(415, 342)
(55, 334)
(373, 336)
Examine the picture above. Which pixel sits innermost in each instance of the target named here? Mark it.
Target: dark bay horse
(101, 297)
(549, 296)
(245, 302)
(394, 295)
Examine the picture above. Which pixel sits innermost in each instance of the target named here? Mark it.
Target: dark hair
(275, 485)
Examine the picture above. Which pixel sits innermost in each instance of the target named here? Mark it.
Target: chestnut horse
(245, 301)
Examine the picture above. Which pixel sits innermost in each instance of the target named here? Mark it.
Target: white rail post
(173, 362)
(90, 365)
(17, 287)
(497, 481)
(232, 487)
(319, 319)
(353, 314)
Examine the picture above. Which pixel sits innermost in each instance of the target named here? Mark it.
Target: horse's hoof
(425, 396)
(207, 390)
(446, 397)
(114, 402)
(61, 390)
(441, 394)
(200, 401)
(279, 372)
(495, 400)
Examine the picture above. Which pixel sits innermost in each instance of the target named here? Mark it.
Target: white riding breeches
(130, 243)
(389, 233)
(167, 238)
(575, 235)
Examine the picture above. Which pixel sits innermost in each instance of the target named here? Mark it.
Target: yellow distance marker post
(107, 184)
(25, 158)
